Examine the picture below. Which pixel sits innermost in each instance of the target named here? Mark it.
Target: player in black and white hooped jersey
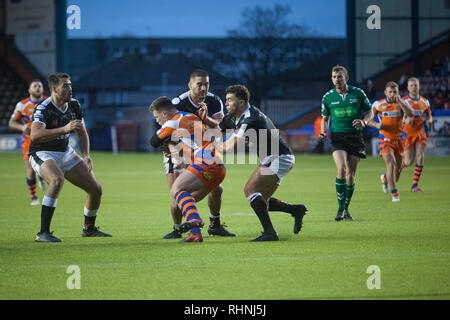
(275, 155)
(191, 101)
(54, 159)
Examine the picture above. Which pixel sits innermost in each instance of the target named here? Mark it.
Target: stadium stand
(13, 89)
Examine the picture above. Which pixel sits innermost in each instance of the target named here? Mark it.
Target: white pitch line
(227, 260)
(150, 216)
(147, 173)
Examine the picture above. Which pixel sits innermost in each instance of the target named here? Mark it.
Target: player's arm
(17, 125)
(228, 145)
(366, 121)
(40, 134)
(325, 112)
(324, 125)
(84, 145)
(162, 136)
(372, 123)
(230, 141)
(428, 116)
(212, 122)
(407, 109)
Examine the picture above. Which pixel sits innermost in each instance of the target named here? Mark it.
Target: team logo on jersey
(208, 176)
(383, 107)
(176, 100)
(353, 100)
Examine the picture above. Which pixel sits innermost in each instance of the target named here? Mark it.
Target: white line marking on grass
(227, 260)
(315, 212)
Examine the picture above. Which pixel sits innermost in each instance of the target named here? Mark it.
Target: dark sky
(199, 18)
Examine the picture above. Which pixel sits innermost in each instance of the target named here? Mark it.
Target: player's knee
(217, 192)
(174, 190)
(350, 177)
(407, 162)
(57, 182)
(30, 173)
(97, 190)
(420, 159)
(248, 190)
(341, 172)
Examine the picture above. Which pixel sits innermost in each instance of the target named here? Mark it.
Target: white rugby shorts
(279, 165)
(65, 160)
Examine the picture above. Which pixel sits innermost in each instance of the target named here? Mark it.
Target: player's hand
(323, 136)
(409, 121)
(73, 125)
(429, 124)
(358, 123)
(89, 163)
(203, 111)
(379, 125)
(26, 129)
(396, 98)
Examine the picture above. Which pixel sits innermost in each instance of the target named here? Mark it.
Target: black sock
(46, 218)
(89, 221)
(278, 205)
(259, 205)
(214, 222)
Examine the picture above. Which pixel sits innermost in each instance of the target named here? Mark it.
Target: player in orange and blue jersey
(206, 170)
(21, 120)
(390, 112)
(415, 139)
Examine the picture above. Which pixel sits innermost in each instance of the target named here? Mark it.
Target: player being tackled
(206, 171)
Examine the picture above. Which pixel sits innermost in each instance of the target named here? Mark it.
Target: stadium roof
(134, 71)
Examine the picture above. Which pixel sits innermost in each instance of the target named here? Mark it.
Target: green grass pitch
(409, 241)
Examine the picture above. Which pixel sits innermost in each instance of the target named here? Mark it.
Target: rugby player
(206, 170)
(415, 138)
(191, 101)
(54, 160)
(21, 120)
(276, 159)
(390, 112)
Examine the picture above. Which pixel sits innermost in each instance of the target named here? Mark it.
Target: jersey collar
(413, 98)
(62, 111)
(244, 114)
(192, 102)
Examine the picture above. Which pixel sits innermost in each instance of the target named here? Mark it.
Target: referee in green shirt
(348, 109)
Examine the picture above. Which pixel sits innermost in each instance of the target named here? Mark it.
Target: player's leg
(258, 189)
(31, 182)
(351, 167)
(80, 176)
(340, 159)
(390, 161)
(175, 211)
(187, 190)
(31, 176)
(281, 166)
(53, 175)
(215, 204)
(420, 160)
(409, 155)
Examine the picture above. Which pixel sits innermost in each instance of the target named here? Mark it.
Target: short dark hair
(55, 78)
(161, 103)
(35, 80)
(199, 73)
(391, 84)
(239, 91)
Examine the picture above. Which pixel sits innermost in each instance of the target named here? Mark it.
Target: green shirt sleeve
(325, 112)
(364, 101)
